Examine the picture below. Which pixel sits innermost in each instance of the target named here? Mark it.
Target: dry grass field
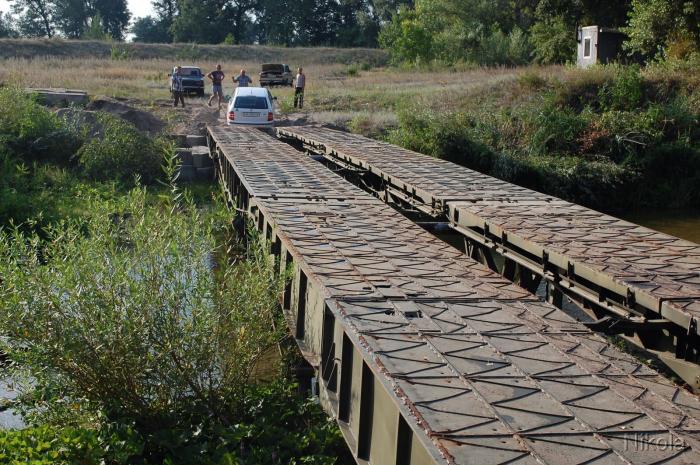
(337, 93)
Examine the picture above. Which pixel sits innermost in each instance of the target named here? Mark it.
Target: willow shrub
(137, 311)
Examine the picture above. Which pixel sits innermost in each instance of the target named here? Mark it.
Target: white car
(252, 106)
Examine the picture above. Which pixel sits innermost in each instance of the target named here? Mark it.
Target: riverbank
(116, 275)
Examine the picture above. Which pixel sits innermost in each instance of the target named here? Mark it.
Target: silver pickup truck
(276, 74)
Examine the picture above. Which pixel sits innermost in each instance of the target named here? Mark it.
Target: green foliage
(45, 445)
(95, 31)
(122, 152)
(151, 30)
(136, 310)
(447, 32)
(32, 132)
(554, 130)
(553, 41)
(498, 48)
(407, 39)
(655, 24)
(606, 137)
(625, 91)
(119, 52)
(229, 40)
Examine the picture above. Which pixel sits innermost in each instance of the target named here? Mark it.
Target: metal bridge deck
(611, 265)
(426, 356)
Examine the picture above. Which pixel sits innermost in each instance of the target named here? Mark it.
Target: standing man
(176, 87)
(217, 78)
(243, 80)
(300, 83)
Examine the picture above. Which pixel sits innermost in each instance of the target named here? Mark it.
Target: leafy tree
(553, 40)
(115, 16)
(95, 29)
(165, 9)
(150, 29)
(75, 18)
(221, 17)
(276, 21)
(7, 26)
(656, 24)
(166, 12)
(407, 39)
(36, 18)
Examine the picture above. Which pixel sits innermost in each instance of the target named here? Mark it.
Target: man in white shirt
(300, 83)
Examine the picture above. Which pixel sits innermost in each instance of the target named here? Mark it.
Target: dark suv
(192, 80)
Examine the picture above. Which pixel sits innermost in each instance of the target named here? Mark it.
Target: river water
(680, 223)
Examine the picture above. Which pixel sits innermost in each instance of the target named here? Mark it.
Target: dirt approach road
(193, 119)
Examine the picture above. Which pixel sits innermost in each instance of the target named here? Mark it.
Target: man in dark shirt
(217, 78)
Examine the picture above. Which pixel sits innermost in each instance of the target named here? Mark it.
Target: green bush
(136, 310)
(625, 91)
(499, 48)
(33, 132)
(553, 41)
(122, 152)
(46, 445)
(555, 131)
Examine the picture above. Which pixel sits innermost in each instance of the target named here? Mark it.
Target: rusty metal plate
(476, 365)
(362, 248)
(659, 269)
(490, 390)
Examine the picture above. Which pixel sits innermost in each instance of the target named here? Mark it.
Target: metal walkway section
(425, 356)
(633, 280)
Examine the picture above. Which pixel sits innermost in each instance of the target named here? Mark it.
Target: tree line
(513, 32)
(73, 19)
(487, 32)
(344, 23)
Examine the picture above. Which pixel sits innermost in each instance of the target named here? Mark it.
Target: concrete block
(60, 97)
(201, 160)
(179, 139)
(193, 141)
(186, 174)
(185, 156)
(205, 174)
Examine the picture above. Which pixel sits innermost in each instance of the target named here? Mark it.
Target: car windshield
(190, 71)
(251, 102)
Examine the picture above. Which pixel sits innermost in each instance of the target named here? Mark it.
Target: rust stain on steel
(488, 373)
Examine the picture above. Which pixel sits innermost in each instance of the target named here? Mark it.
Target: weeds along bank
(131, 317)
(610, 137)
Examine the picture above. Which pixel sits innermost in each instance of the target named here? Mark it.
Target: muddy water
(680, 223)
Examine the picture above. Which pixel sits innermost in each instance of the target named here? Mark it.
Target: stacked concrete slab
(193, 155)
(61, 97)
